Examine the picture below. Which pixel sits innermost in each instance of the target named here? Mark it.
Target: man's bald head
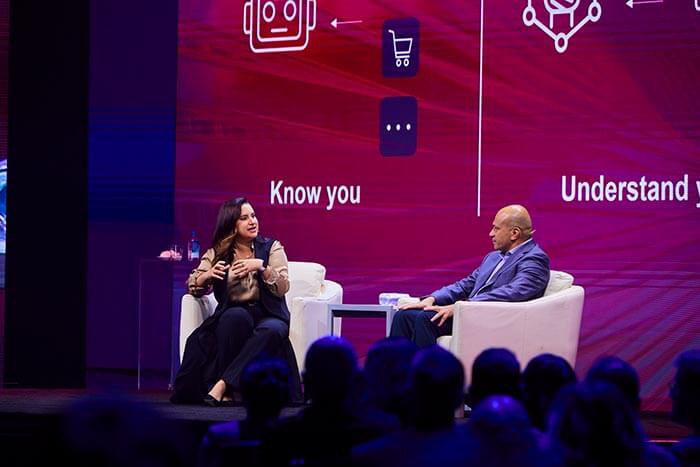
(515, 215)
(512, 226)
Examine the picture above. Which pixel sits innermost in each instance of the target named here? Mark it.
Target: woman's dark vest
(274, 305)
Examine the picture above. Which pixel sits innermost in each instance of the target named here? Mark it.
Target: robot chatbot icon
(278, 25)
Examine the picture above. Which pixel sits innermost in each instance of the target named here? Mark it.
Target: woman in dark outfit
(248, 275)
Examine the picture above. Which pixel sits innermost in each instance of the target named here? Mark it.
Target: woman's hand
(218, 272)
(243, 267)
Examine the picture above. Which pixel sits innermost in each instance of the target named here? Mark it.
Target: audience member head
(265, 387)
(542, 379)
(591, 424)
(495, 371)
(502, 434)
(331, 372)
(116, 431)
(387, 373)
(497, 415)
(685, 391)
(618, 372)
(437, 379)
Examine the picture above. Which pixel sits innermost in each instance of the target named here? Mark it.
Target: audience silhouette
(619, 373)
(685, 394)
(543, 378)
(624, 377)
(324, 432)
(265, 391)
(591, 424)
(438, 388)
(117, 431)
(500, 434)
(400, 410)
(494, 371)
(387, 376)
(437, 379)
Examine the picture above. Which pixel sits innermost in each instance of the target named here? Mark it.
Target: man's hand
(443, 313)
(427, 301)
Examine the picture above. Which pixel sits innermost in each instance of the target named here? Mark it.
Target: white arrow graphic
(632, 3)
(335, 22)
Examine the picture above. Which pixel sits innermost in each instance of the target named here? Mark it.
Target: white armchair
(307, 299)
(549, 324)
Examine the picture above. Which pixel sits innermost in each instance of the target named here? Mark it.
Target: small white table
(361, 311)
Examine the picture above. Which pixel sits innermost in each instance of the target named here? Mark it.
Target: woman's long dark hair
(224, 239)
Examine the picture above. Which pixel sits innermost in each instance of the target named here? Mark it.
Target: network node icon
(562, 7)
(278, 25)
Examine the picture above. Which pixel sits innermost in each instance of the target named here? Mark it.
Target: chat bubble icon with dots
(398, 126)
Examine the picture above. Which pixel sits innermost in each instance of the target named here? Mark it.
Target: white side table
(386, 312)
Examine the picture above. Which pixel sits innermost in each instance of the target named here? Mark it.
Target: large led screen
(380, 138)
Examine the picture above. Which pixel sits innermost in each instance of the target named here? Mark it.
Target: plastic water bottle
(193, 247)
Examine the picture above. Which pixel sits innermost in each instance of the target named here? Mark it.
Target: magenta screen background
(622, 102)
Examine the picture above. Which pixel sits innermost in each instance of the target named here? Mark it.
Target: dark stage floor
(30, 422)
(34, 403)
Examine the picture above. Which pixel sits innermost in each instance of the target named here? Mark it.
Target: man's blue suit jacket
(524, 276)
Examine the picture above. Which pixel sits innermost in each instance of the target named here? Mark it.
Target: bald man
(516, 272)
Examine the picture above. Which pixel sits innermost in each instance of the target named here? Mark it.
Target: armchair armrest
(309, 318)
(193, 311)
(331, 291)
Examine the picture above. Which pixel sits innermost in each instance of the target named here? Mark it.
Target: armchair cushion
(305, 280)
(558, 281)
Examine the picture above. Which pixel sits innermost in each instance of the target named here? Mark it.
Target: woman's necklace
(242, 254)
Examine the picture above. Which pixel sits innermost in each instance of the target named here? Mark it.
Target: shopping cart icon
(402, 49)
